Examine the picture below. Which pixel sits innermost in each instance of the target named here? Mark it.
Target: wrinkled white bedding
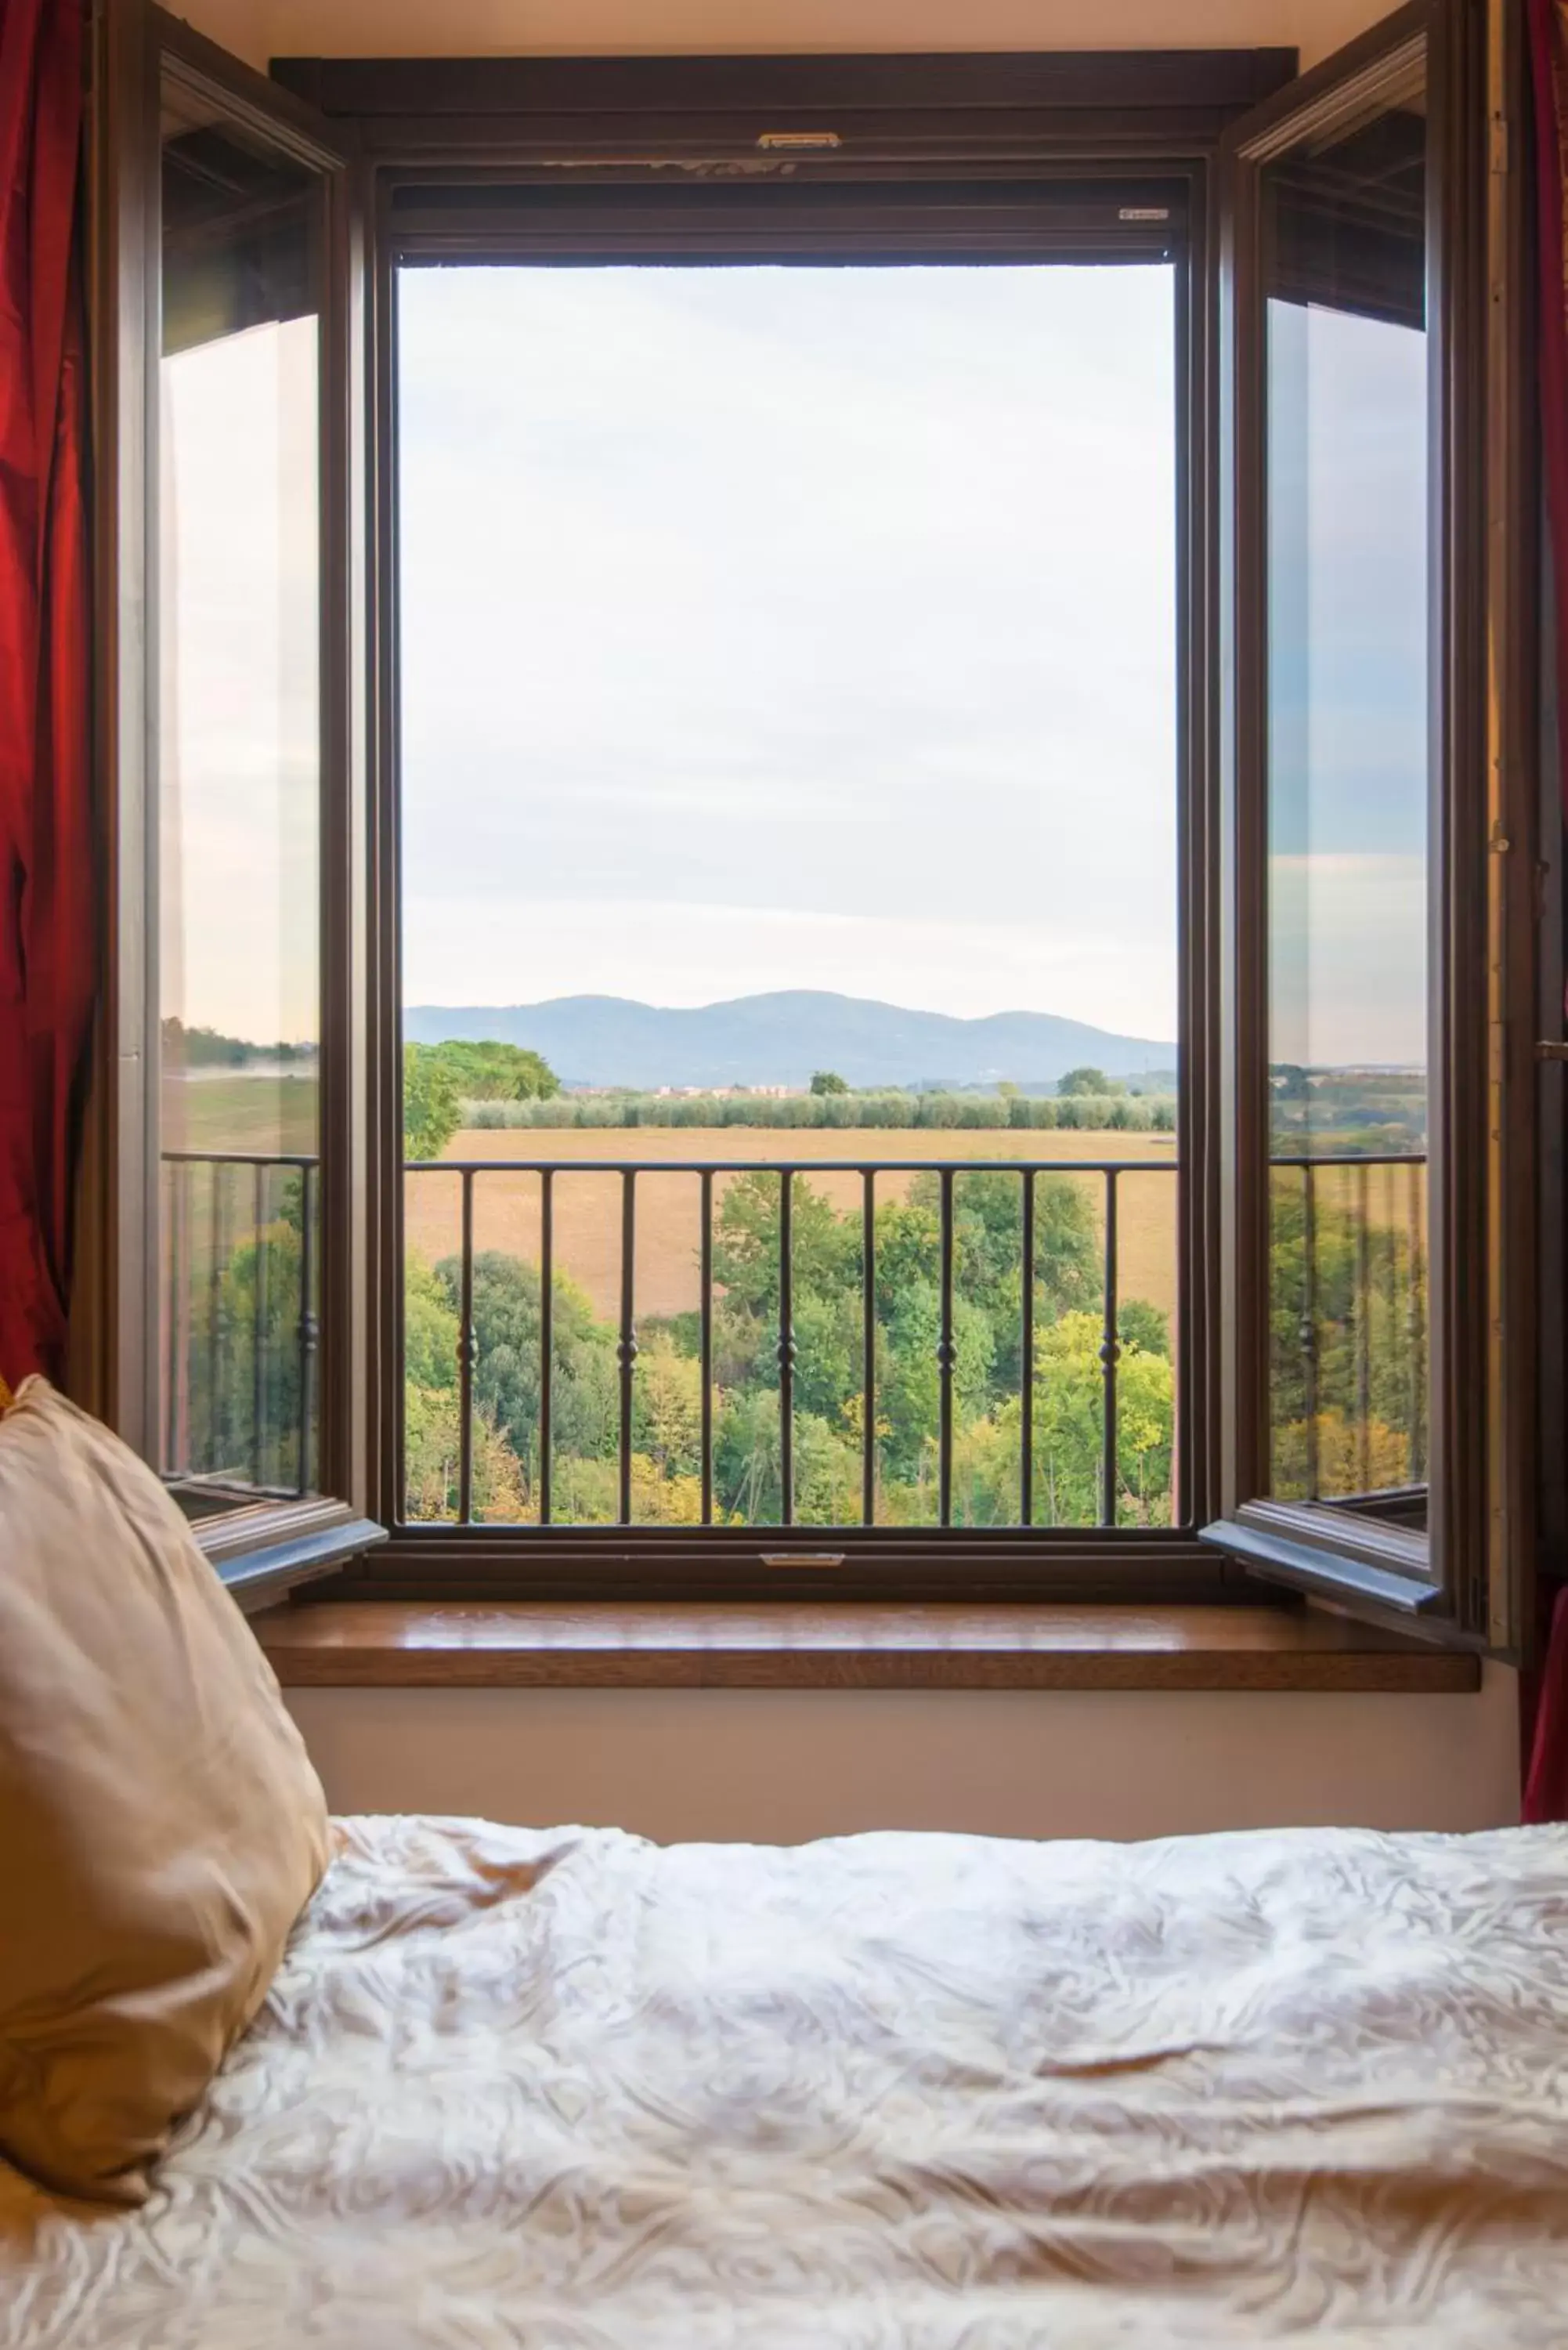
(894, 2093)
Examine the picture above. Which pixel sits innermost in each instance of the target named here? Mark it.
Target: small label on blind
(1144, 211)
(797, 138)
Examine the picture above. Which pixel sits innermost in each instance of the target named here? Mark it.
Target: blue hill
(779, 1039)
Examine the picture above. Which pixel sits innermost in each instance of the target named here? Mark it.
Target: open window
(1278, 1321)
(1369, 1125)
(228, 365)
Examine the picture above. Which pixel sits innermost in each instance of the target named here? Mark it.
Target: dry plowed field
(588, 1208)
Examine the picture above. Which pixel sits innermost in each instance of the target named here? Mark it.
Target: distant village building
(725, 1093)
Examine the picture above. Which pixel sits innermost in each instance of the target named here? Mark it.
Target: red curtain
(48, 962)
(1546, 1712)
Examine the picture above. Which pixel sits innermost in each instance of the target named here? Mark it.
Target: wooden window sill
(400, 1644)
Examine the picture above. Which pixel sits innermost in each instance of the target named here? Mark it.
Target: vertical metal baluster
(1110, 1354)
(465, 1361)
(1026, 1358)
(1364, 1326)
(945, 1358)
(1306, 1329)
(706, 1340)
(786, 1346)
(547, 1333)
(183, 1459)
(217, 1239)
(869, 1345)
(308, 1330)
(258, 1319)
(1415, 1323)
(178, 1319)
(626, 1348)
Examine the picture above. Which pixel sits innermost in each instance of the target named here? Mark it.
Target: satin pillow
(160, 1824)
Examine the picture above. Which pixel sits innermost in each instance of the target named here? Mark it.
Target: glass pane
(239, 789)
(1345, 252)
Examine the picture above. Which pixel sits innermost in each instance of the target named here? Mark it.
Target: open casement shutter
(229, 357)
(1373, 1233)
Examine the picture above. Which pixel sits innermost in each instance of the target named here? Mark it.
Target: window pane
(789, 806)
(239, 788)
(1348, 465)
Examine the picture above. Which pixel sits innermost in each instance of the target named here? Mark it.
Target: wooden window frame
(262, 1548)
(722, 126)
(1461, 1582)
(445, 147)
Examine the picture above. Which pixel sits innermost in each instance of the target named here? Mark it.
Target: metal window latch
(803, 1558)
(1549, 1049)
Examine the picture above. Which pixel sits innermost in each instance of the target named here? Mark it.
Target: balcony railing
(240, 1322)
(1108, 1175)
(1347, 1297)
(1350, 1349)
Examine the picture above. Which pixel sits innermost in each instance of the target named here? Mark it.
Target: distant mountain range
(779, 1040)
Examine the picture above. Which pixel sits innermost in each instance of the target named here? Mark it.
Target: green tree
(1089, 1080)
(828, 1081)
(431, 1108)
(584, 1393)
(254, 1343)
(1069, 1427)
(491, 1071)
(1364, 1311)
(432, 1456)
(827, 1290)
(1138, 1324)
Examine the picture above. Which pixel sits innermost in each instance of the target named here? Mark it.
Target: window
(1348, 466)
(224, 627)
(799, 545)
(239, 814)
(1370, 1130)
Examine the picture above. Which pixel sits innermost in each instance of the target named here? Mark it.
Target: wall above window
(259, 29)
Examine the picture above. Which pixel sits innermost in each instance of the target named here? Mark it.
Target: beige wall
(778, 1766)
(257, 29)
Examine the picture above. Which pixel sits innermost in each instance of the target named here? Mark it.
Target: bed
(545, 2090)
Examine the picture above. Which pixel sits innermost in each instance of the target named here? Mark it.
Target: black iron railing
(1361, 1314)
(241, 1328)
(1107, 1173)
(240, 1320)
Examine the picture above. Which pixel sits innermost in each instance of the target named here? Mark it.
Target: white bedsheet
(916, 2093)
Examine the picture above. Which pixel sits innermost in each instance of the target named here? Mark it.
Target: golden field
(588, 1208)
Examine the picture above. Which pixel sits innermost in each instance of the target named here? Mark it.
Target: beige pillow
(160, 1824)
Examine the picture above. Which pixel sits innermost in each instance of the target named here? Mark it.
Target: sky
(1348, 688)
(240, 767)
(771, 628)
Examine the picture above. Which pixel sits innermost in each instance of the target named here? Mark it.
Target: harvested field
(588, 1208)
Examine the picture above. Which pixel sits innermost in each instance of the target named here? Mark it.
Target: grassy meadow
(238, 1112)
